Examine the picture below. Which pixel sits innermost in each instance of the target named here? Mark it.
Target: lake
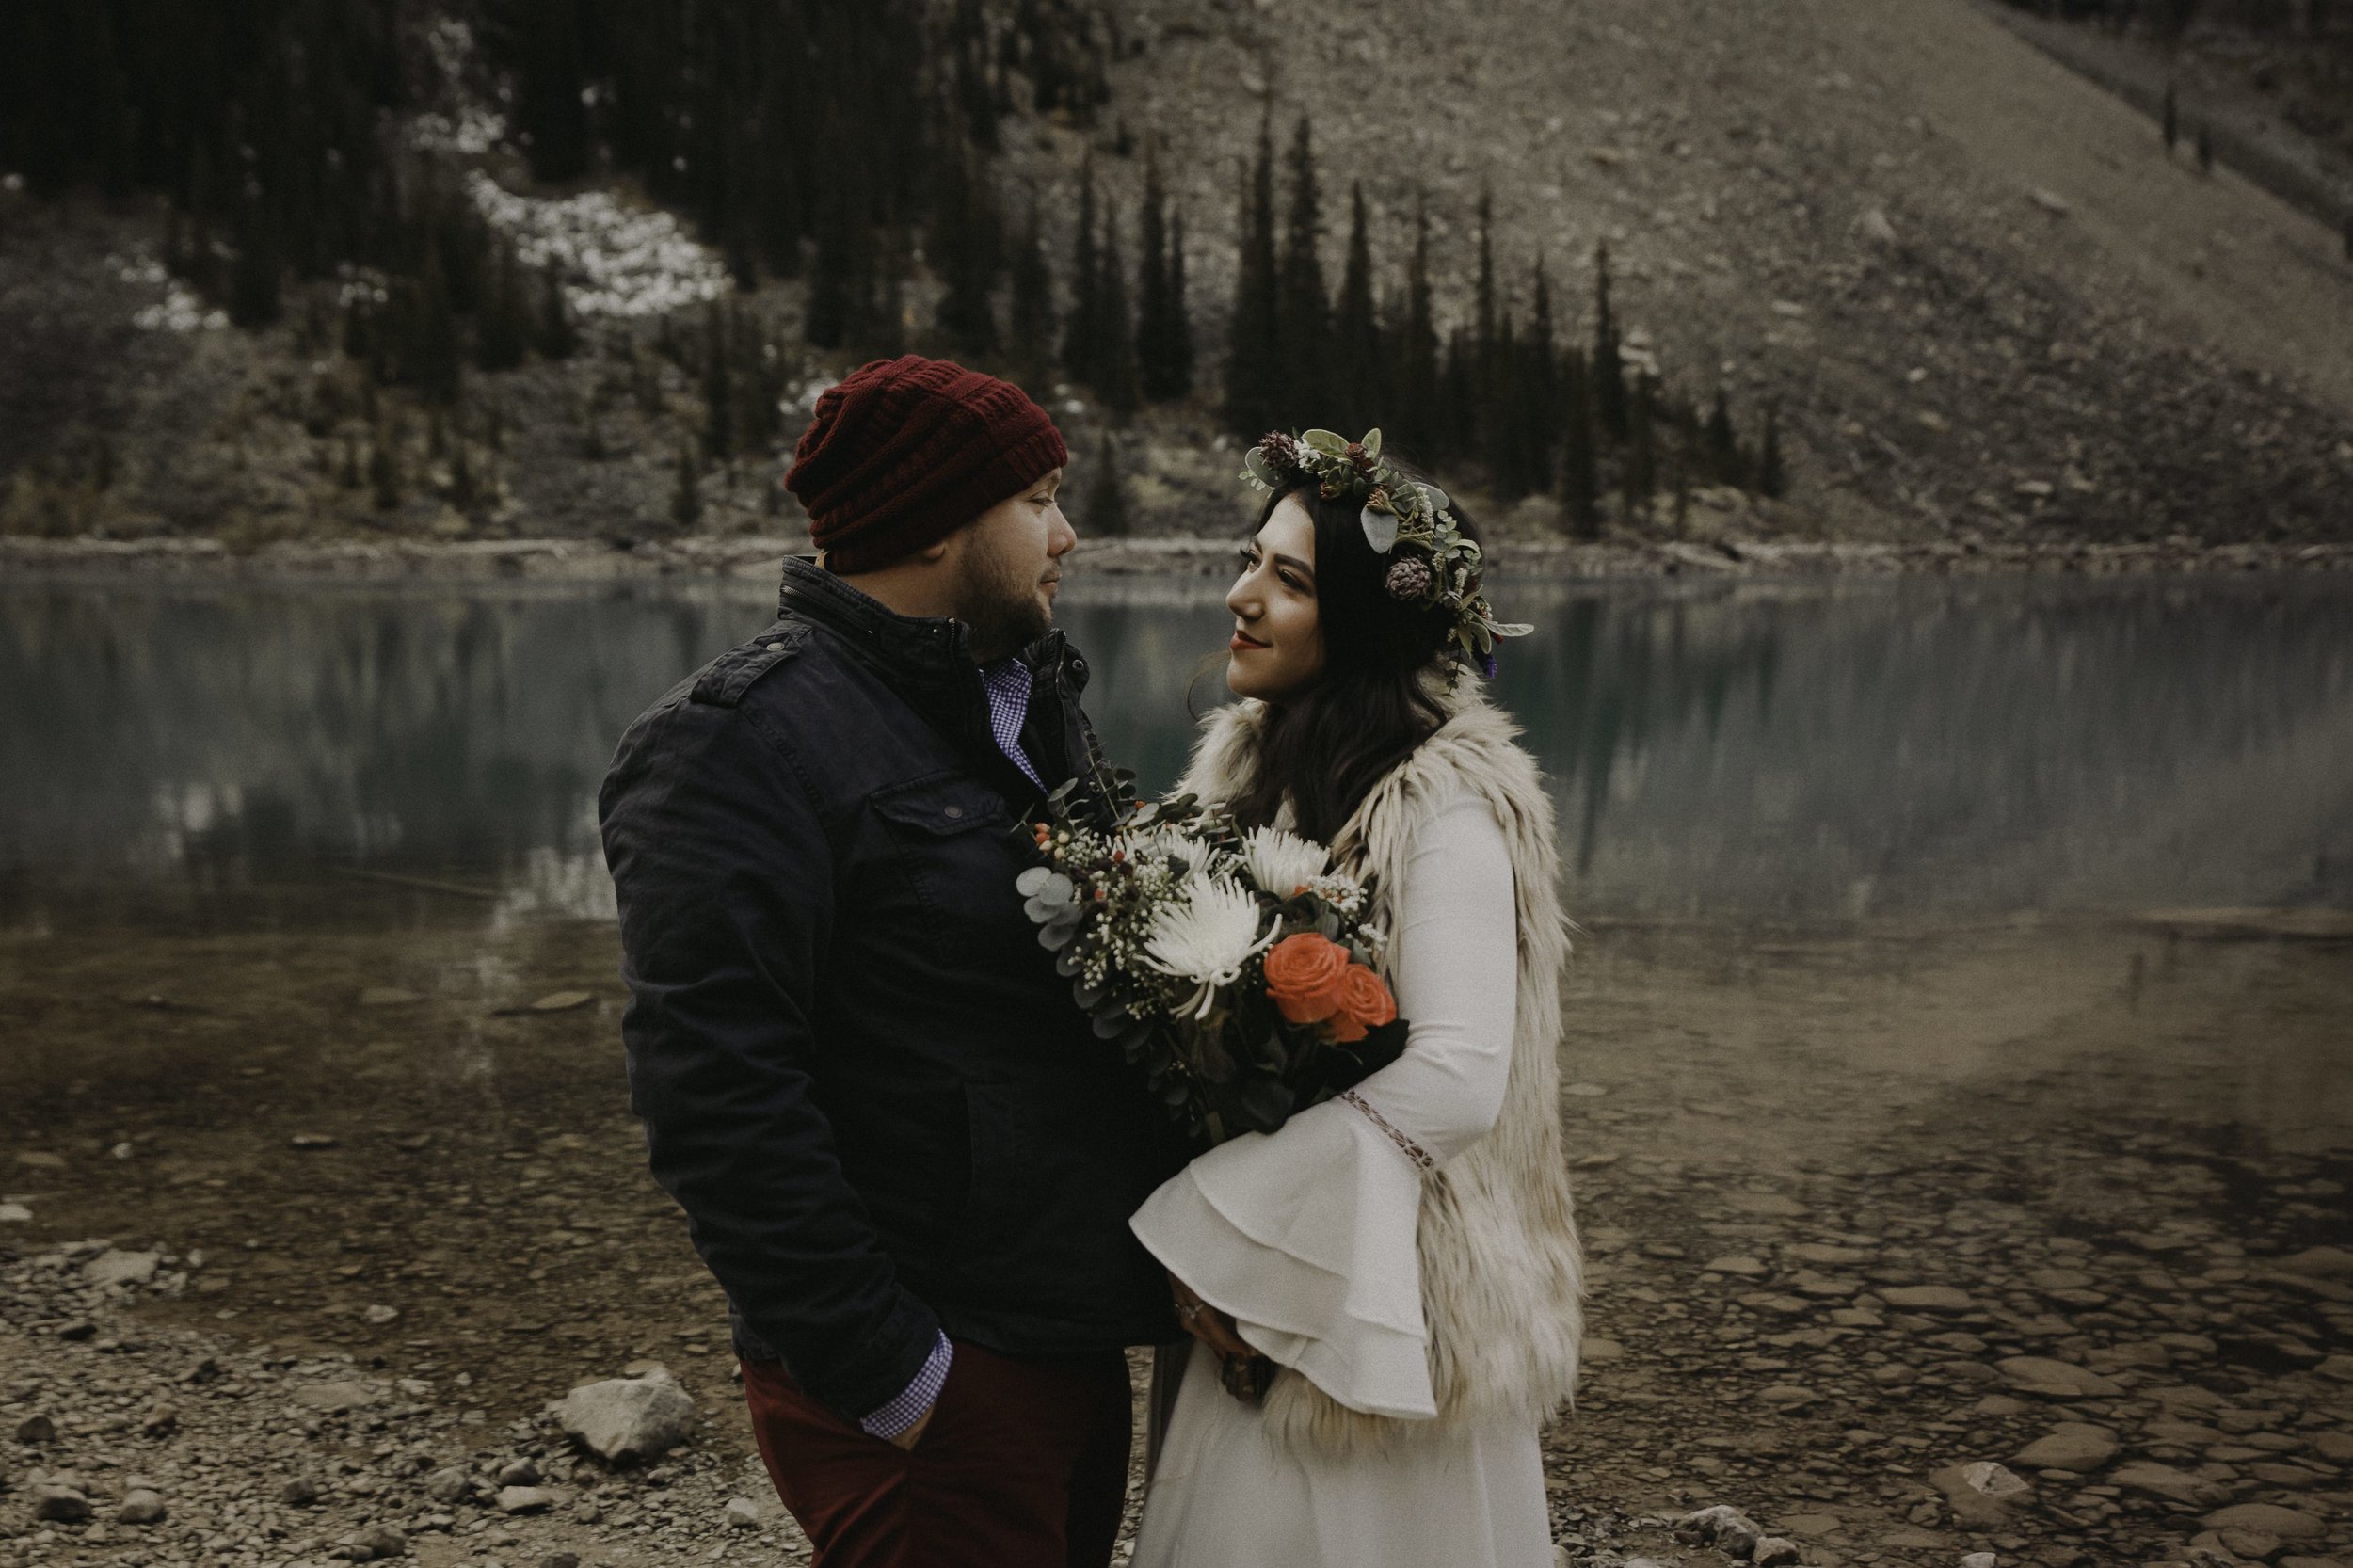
(1733, 750)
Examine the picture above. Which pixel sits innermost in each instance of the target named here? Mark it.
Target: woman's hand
(1206, 1323)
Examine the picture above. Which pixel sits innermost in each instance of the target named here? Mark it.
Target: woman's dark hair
(1325, 747)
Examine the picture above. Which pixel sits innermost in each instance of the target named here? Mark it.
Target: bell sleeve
(1306, 1236)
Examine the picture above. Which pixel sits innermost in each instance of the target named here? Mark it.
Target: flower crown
(1432, 563)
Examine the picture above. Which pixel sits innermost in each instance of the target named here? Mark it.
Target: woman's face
(1278, 635)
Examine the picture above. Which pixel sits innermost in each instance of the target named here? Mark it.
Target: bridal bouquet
(1234, 969)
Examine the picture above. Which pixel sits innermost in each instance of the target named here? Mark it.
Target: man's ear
(931, 556)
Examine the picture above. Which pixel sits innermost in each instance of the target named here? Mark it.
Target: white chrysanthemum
(1282, 862)
(1159, 845)
(1206, 934)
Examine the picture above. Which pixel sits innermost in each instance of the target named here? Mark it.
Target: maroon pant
(1024, 1466)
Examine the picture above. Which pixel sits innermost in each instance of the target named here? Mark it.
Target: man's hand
(1205, 1323)
(914, 1434)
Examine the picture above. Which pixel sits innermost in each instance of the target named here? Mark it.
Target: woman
(1386, 1292)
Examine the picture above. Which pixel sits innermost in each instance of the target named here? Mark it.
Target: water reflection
(1733, 749)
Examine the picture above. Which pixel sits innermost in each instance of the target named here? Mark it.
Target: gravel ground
(1866, 1208)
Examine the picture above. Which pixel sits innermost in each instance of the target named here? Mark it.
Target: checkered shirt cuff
(921, 1394)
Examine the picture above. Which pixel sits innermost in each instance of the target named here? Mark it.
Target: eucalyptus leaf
(1030, 882)
(1112, 1025)
(1255, 466)
(1067, 963)
(1436, 497)
(1327, 442)
(1514, 629)
(1053, 939)
(1087, 996)
(1379, 530)
(1372, 444)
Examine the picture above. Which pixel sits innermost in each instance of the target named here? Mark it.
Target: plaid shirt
(1007, 682)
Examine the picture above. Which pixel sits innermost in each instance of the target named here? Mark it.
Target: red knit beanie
(906, 451)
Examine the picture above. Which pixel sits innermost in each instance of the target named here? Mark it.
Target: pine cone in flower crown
(1409, 579)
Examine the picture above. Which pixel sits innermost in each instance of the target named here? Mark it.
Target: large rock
(624, 1419)
(59, 1505)
(122, 1268)
(2070, 1446)
(1723, 1527)
(335, 1397)
(2056, 1380)
(2288, 1524)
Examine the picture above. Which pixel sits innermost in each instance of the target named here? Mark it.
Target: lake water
(1736, 750)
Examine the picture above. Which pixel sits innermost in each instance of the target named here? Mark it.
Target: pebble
(299, 1492)
(36, 1430)
(520, 1472)
(59, 1505)
(382, 1541)
(15, 1214)
(2163, 1480)
(742, 1514)
(448, 1485)
(525, 1499)
(141, 1506)
(1926, 1298)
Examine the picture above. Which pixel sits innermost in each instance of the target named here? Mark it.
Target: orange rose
(1365, 997)
(1304, 975)
(1365, 1003)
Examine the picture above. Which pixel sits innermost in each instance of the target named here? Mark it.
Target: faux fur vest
(1501, 1267)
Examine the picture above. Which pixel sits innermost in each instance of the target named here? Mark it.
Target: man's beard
(1000, 601)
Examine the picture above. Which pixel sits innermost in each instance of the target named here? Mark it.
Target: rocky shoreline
(596, 561)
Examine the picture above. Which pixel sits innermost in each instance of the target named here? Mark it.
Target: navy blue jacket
(858, 1073)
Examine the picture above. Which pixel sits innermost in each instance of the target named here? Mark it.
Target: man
(902, 1152)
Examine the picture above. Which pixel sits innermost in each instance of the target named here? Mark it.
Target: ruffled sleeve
(1306, 1236)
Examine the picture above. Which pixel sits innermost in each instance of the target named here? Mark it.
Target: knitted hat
(906, 451)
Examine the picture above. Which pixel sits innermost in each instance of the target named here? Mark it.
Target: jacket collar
(929, 649)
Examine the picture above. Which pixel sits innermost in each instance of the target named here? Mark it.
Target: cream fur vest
(1501, 1267)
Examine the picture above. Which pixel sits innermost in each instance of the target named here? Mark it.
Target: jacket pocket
(950, 843)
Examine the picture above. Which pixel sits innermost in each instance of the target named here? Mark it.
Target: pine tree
(1080, 351)
(2173, 119)
(1418, 349)
(1485, 333)
(1252, 365)
(384, 469)
(1537, 408)
(1031, 311)
(557, 337)
(1581, 468)
(1179, 344)
(1772, 479)
(965, 252)
(1640, 469)
(686, 500)
(1114, 372)
(1302, 316)
(1107, 493)
(1721, 443)
(718, 387)
(2205, 151)
(502, 326)
(1355, 331)
(552, 110)
(1161, 338)
(255, 277)
(1608, 362)
(432, 351)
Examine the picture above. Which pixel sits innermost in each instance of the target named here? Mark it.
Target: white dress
(1306, 1238)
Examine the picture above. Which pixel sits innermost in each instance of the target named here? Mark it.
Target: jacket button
(776, 647)
(955, 813)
